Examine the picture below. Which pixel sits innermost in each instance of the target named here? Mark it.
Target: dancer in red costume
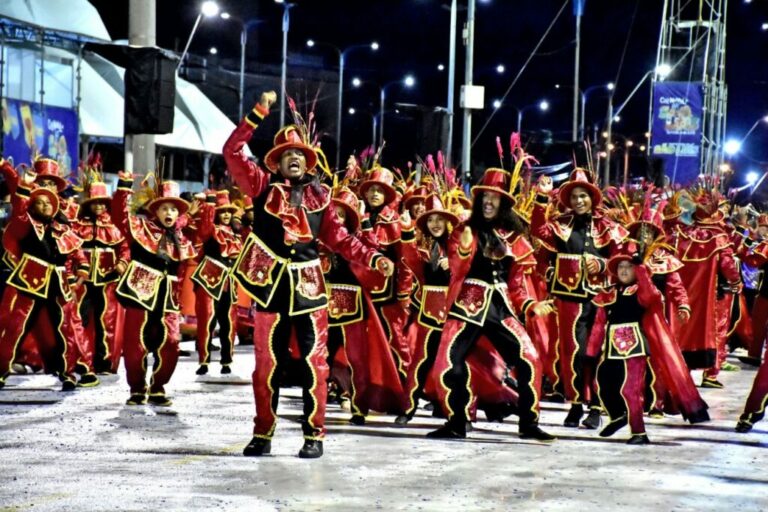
(151, 286)
(426, 255)
(708, 269)
(38, 290)
(580, 241)
(280, 269)
(354, 325)
(488, 257)
(107, 251)
(757, 256)
(381, 228)
(215, 289)
(618, 339)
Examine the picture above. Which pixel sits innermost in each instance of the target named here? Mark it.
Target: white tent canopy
(198, 124)
(72, 16)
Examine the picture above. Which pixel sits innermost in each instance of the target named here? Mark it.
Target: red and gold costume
(215, 288)
(572, 241)
(354, 325)
(279, 267)
(38, 290)
(105, 247)
(707, 255)
(487, 296)
(618, 338)
(382, 231)
(150, 289)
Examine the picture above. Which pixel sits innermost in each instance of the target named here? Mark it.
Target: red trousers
(574, 320)
(759, 325)
(394, 318)
(754, 410)
(621, 384)
(208, 312)
(723, 317)
(511, 340)
(150, 332)
(46, 319)
(102, 320)
(271, 337)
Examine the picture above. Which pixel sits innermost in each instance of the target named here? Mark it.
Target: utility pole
(578, 11)
(469, 43)
(140, 149)
(451, 84)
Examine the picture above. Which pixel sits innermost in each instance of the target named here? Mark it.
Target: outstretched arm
(251, 178)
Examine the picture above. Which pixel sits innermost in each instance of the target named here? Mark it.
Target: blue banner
(676, 129)
(49, 132)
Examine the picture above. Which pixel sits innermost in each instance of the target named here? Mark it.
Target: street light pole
(469, 42)
(451, 84)
(338, 113)
(243, 40)
(578, 7)
(382, 97)
(607, 168)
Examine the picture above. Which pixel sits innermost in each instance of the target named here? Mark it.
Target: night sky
(413, 35)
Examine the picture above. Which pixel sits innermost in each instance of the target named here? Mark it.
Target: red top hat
(435, 206)
(416, 194)
(289, 138)
(247, 203)
(52, 196)
(223, 204)
(346, 199)
(580, 178)
(494, 180)
(48, 169)
(650, 216)
(168, 192)
(384, 178)
(97, 192)
(625, 252)
(762, 219)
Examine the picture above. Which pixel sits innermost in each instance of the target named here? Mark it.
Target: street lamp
(374, 46)
(208, 9)
(543, 106)
(408, 81)
(244, 27)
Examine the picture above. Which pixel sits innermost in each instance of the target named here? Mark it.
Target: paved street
(88, 451)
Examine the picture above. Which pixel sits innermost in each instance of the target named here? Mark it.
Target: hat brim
(592, 190)
(107, 201)
(613, 263)
(389, 191)
(226, 208)
(421, 221)
(634, 226)
(272, 158)
(483, 188)
(154, 204)
(408, 202)
(351, 213)
(61, 183)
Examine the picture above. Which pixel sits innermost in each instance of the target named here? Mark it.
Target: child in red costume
(150, 287)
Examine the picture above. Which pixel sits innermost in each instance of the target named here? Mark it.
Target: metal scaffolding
(692, 42)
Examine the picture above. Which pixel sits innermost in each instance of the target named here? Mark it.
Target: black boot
(202, 370)
(700, 416)
(137, 399)
(312, 449)
(534, 432)
(403, 419)
(357, 419)
(574, 415)
(448, 431)
(752, 361)
(743, 427)
(614, 426)
(592, 421)
(68, 385)
(258, 447)
(89, 380)
(160, 400)
(639, 439)
(225, 369)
